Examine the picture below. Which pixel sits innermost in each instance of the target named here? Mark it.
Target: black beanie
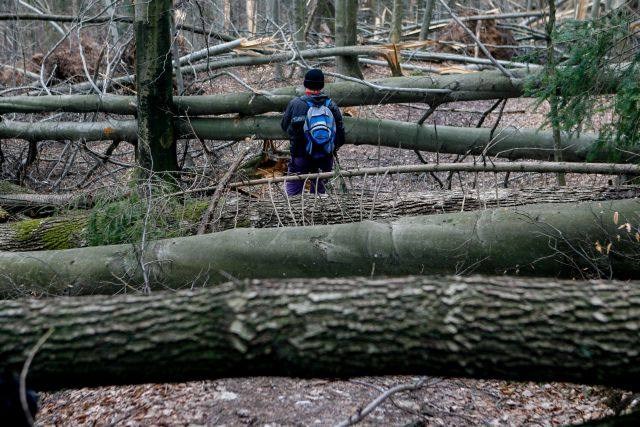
(314, 79)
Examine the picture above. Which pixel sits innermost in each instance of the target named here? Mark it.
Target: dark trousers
(302, 165)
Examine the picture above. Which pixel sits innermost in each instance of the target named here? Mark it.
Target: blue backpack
(319, 130)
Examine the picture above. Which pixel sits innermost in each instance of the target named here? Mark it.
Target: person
(307, 157)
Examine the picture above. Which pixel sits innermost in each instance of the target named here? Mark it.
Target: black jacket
(295, 115)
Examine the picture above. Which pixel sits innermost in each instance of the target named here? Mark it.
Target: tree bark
(480, 327)
(396, 23)
(41, 204)
(542, 167)
(299, 19)
(513, 143)
(465, 87)
(553, 99)
(540, 240)
(346, 24)
(156, 149)
(273, 21)
(69, 231)
(426, 20)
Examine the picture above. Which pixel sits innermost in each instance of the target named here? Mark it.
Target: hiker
(316, 132)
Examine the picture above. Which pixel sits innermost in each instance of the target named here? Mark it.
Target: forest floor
(276, 401)
(285, 401)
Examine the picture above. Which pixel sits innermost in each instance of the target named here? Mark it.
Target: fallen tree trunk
(338, 209)
(542, 240)
(463, 87)
(480, 327)
(511, 143)
(59, 232)
(543, 167)
(466, 87)
(42, 204)
(70, 231)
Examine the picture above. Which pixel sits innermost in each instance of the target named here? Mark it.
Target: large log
(344, 208)
(70, 231)
(459, 87)
(510, 142)
(481, 327)
(463, 87)
(542, 240)
(42, 204)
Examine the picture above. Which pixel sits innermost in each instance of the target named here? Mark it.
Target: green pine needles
(598, 54)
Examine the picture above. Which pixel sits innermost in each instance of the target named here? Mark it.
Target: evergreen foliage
(157, 217)
(593, 50)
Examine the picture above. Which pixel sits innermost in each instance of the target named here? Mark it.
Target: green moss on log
(65, 234)
(4, 215)
(8, 188)
(25, 229)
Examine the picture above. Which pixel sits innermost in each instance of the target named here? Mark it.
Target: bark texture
(482, 85)
(346, 24)
(62, 232)
(69, 231)
(511, 142)
(464, 87)
(541, 240)
(42, 204)
(482, 327)
(310, 210)
(156, 148)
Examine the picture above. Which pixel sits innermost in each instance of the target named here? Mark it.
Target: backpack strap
(327, 102)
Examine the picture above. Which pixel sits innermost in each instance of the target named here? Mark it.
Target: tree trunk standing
(273, 21)
(176, 54)
(540, 240)
(299, 21)
(238, 16)
(250, 10)
(110, 8)
(426, 20)
(595, 9)
(396, 23)
(156, 149)
(553, 99)
(479, 327)
(346, 25)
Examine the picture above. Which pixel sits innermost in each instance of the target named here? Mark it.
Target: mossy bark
(482, 327)
(7, 187)
(156, 149)
(237, 211)
(541, 240)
